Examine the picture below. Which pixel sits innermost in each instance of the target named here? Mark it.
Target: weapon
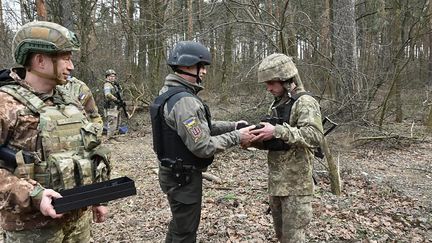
(182, 173)
(121, 102)
(94, 194)
(8, 156)
(318, 152)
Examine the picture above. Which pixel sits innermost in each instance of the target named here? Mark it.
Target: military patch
(81, 96)
(193, 126)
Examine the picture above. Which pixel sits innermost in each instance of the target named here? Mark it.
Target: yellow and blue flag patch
(193, 126)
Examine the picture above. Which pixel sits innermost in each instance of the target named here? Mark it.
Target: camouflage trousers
(112, 121)
(291, 215)
(71, 232)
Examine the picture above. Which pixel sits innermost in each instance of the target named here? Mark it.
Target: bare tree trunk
(344, 46)
(189, 32)
(324, 48)
(334, 173)
(66, 15)
(2, 25)
(227, 62)
(85, 26)
(155, 44)
(142, 41)
(429, 119)
(430, 46)
(41, 10)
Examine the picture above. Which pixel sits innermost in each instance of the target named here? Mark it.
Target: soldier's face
(275, 88)
(64, 65)
(112, 77)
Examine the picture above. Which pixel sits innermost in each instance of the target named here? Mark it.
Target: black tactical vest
(283, 113)
(166, 142)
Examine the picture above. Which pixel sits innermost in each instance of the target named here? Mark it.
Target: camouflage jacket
(189, 120)
(110, 94)
(290, 171)
(79, 90)
(19, 130)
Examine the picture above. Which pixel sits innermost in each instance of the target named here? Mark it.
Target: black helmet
(189, 53)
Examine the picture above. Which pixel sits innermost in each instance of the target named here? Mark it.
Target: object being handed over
(263, 132)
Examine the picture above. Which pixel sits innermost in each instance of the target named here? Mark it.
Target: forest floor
(386, 197)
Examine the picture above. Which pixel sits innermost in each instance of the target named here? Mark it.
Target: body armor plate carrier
(166, 142)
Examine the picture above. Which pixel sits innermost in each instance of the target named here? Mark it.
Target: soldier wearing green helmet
(53, 145)
(290, 143)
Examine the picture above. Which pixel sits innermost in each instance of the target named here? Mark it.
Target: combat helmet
(110, 72)
(43, 37)
(189, 53)
(277, 66)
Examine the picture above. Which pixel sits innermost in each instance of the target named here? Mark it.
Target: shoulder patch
(193, 127)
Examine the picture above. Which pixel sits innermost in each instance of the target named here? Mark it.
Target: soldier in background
(79, 90)
(290, 144)
(46, 125)
(112, 104)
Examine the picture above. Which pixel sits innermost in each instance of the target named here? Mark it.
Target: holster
(182, 173)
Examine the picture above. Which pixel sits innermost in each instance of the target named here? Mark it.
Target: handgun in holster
(182, 174)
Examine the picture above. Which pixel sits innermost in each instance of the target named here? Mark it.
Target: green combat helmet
(277, 66)
(109, 72)
(43, 37)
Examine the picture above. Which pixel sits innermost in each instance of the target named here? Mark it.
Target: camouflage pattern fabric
(20, 130)
(188, 119)
(291, 215)
(79, 90)
(73, 230)
(112, 121)
(110, 91)
(111, 111)
(43, 37)
(290, 172)
(290, 182)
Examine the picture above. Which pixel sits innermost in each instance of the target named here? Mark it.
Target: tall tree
(189, 32)
(344, 46)
(41, 10)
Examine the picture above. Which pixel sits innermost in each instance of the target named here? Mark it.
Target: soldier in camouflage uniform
(48, 126)
(185, 139)
(291, 143)
(112, 103)
(78, 89)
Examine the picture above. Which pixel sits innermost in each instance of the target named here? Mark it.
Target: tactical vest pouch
(62, 171)
(101, 163)
(23, 170)
(41, 174)
(90, 137)
(84, 171)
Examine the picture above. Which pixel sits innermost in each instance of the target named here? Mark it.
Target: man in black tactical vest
(185, 139)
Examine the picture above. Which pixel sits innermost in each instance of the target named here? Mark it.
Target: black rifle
(318, 152)
(8, 156)
(121, 102)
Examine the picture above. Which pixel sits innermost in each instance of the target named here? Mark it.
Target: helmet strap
(198, 80)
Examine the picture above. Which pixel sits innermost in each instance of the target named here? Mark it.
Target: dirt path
(387, 197)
